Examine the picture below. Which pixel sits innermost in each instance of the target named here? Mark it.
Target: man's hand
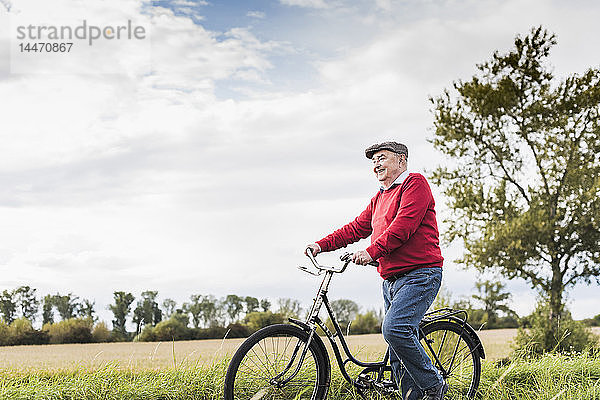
(361, 258)
(316, 249)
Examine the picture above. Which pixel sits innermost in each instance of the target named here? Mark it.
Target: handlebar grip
(348, 256)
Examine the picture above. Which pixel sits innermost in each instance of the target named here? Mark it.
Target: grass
(551, 377)
(111, 382)
(196, 371)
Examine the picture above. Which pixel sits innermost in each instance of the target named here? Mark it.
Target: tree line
(66, 318)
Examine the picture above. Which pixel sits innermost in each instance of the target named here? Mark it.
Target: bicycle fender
(316, 338)
(472, 334)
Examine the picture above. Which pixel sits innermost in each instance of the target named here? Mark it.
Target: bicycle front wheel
(269, 365)
(453, 352)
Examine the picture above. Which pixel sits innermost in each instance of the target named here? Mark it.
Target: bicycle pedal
(386, 386)
(364, 381)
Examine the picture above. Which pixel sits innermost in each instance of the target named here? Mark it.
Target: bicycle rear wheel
(455, 355)
(260, 367)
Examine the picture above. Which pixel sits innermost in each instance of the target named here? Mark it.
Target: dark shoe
(436, 393)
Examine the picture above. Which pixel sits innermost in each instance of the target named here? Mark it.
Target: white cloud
(256, 14)
(385, 5)
(187, 3)
(306, 3)
(149, 181)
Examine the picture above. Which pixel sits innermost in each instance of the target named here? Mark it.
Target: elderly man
(404, 240)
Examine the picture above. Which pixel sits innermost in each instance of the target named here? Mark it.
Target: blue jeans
(406, 301)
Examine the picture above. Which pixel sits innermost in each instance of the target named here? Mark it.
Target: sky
(203, 157)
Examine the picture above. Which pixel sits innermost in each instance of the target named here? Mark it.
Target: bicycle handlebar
(349, 257)
(346, 258)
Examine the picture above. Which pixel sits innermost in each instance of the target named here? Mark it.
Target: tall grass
(113, 383)
(550, 377)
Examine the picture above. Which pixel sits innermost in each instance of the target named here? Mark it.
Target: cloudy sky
(203, 157)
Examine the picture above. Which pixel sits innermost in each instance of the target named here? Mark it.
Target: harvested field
(156, 355)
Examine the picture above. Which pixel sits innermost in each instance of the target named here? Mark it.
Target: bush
(20, 332)
(217, 332)
(365, 323)
(238, 331)
(146, 335)
(117, 336)
(72, 330)
(595, 321)
(171, 329)
(4, 334)
(257, 320)
(567, 336)
(101, 333)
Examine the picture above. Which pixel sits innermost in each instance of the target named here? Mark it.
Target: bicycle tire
(462, 371)
(265, 354)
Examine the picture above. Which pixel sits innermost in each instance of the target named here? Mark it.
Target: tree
(27, 302)
(121, 310)
(289, 308)
(491, 294)
(211, 311)
(265, 304)
(194, 307)
(252, 304)
(525, 188)
(86, 309)
(345, 310)
(147, 311)
(169, 306)
(8, 307)
(234, 306)
(66, 305)
(47, 310)
(138, 319)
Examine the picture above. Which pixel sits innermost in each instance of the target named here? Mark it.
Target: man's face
(388, 166)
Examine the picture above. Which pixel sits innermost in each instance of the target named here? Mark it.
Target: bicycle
(290, 361)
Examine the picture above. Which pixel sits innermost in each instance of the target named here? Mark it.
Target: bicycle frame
(313, 321)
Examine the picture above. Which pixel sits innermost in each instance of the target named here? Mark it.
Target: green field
(195, 370)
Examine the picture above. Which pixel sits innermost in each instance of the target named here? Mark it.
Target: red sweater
(402, 225)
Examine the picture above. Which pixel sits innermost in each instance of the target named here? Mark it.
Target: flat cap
(395, 147)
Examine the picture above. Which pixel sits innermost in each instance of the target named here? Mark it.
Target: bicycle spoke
(276, 355)
(453, 353)
(259, 367)
(260, 359)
